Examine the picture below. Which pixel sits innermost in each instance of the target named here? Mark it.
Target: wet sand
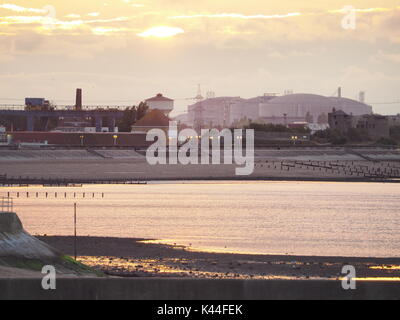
(125, 257)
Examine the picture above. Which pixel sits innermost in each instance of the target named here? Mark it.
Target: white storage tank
(161, 103)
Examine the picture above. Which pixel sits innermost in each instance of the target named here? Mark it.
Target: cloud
(101, 31)
(21, 19)
(367, 10)
(55, 22)
(73, 16)
(237, 16)
(16, 8)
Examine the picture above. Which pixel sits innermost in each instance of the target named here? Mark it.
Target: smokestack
(78, 101)
(362, 97)
(339, 92)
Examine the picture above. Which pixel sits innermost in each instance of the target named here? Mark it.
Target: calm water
(305, 218)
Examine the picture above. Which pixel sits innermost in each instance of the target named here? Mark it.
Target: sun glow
(161, 32)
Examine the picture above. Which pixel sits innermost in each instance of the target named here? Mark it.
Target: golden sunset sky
(123, 51)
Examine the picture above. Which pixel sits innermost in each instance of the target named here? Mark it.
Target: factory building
(270, 108)
(394, 121)
(224, 111)
(376, 126)
(212, 113)
(340, 121)
(308, 107)
(248, 109)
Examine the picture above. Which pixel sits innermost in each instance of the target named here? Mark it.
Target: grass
(64, 264)
(79, 267)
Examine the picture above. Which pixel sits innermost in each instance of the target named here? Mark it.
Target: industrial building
(375, 126)
(308, 107)
(38, 112)
(224, 111)
(212, 113)
(248, 108)
(270, 108)
(3, 136)
(394, 120)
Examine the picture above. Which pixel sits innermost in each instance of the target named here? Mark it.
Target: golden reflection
(126, 267)
(385, 267)
(396, 279)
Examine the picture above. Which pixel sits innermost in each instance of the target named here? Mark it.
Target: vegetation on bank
(356, 136)
(330, 136)
(63, 264)
(257, 127)
(131, 116)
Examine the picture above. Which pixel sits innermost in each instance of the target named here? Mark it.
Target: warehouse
(308, 107)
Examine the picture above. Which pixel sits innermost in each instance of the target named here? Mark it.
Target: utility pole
(75, 251)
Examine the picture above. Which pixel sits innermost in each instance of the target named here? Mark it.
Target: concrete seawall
(23, 252)
(16, 242)
(187, 289)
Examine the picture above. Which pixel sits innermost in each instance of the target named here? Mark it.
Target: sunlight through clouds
(161, 32)
(271, 42)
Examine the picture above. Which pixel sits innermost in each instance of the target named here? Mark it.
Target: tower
(362, 97)
(199, 97)
(78, 100)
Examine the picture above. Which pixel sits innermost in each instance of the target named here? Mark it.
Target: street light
(9, 139)
(115, 137)
(82, 140)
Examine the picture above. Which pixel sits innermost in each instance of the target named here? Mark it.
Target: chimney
(362, 97)
(78, 101)
(339, 92)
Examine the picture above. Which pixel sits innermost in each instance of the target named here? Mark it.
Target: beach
(128, 257)
(334, 164)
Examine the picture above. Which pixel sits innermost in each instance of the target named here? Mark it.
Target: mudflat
(128, 257)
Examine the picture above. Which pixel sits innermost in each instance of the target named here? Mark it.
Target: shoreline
(39, 182)
(106, 166)
(131, 258)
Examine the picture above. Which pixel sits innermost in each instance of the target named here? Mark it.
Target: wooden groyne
(26, 181)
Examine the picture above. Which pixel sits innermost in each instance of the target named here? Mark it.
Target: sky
(124, 51)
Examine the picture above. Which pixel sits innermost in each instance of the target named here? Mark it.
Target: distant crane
(198, 99)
